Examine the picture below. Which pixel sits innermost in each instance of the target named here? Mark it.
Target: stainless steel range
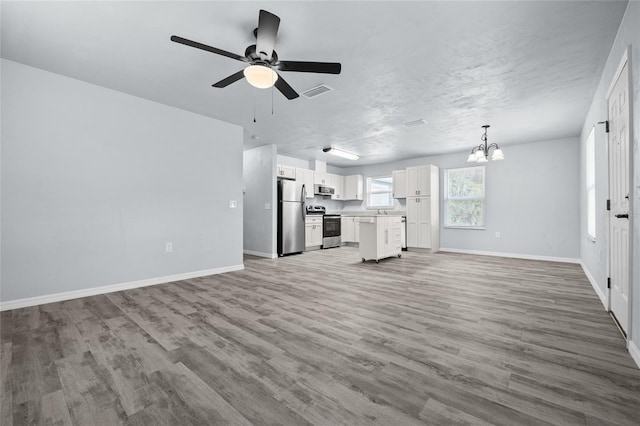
(330, 231)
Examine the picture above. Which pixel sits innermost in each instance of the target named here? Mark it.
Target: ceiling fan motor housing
(255, 58)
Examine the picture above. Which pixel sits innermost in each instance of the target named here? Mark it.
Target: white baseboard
(58, 297)
(514, 255)
(260, 254)
(596, 287)
(635, 352)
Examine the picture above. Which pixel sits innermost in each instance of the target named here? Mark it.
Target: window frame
(369, 193)
(446, 198)
(590, 184)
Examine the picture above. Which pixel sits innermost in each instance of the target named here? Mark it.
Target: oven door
(331, 226)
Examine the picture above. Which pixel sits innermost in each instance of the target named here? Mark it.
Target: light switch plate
(267, 206)
(232, 204)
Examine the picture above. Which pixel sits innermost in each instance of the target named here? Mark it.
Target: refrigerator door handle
(303, 194)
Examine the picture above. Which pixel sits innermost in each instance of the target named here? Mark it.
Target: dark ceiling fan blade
(197, 45)
(268, 24)
(285, 89)
(231, 79)
(317, 67)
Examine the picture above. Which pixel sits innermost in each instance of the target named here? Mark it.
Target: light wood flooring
(324, 339)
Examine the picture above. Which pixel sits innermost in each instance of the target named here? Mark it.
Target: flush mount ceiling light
(341, 153)
(260, 76)
(480, 153)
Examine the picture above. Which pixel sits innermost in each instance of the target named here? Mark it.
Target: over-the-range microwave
(320, 189)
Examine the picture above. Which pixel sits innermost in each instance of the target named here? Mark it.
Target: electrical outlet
(497, 234)
(232, 204)
(168, 247)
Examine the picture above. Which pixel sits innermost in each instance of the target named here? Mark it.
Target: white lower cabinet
(313, 231)
(380, 237)
(350, 229)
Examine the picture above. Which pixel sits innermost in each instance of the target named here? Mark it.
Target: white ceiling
(529, 69)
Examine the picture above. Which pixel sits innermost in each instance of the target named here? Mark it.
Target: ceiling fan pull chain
(254, 105)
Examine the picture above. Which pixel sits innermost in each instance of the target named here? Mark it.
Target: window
(591, 186)
(464, 197)
(380, 192)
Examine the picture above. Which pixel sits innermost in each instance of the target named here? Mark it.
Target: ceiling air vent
(316, 91)
(414, 123)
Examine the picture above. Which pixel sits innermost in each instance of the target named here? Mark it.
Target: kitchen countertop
(366, 213)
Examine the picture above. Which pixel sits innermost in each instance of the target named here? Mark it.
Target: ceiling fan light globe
(472, 158)
(260, 76)
(480, 154)
(482, 159)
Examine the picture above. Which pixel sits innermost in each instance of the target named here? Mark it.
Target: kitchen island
(380, 237)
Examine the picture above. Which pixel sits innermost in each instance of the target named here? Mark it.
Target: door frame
(624, 61)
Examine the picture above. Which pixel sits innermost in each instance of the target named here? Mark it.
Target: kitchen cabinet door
(313, 231)
(344, 238)
(320, 178)
(306, 177)
(412, 181)
(286, 172)
(424, 222)
(419, 222)
(347, 231)
(354, 187)
(399, 178)
(419, 180)
(413, 214)
(337, 182)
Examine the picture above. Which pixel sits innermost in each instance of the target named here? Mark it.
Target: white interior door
(618, 110)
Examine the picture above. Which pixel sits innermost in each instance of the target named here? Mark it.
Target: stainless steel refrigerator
(291, 215)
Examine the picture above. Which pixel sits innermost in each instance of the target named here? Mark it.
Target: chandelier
(480, 153)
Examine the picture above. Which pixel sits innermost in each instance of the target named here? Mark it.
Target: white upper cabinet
(354, 187)
(286, 172)
(399, 178)
(337, 182)
(320, 178)
(306, 177)
(420, 180)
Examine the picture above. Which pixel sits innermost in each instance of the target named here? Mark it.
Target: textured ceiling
(529, 69)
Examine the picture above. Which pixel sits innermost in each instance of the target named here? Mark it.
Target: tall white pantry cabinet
(423, 207)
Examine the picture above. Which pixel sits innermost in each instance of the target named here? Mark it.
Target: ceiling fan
(263, 59)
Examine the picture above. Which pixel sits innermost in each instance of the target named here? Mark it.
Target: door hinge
(606, 125)
(608, 205)
(609, 282)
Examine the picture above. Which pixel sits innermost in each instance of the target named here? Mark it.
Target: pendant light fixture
(480, 153)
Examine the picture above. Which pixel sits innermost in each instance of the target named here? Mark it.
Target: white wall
(260, 224)
(95, 182)
(593, 255)
(531, 199)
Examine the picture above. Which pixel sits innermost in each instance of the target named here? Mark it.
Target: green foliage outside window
(464, 197)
